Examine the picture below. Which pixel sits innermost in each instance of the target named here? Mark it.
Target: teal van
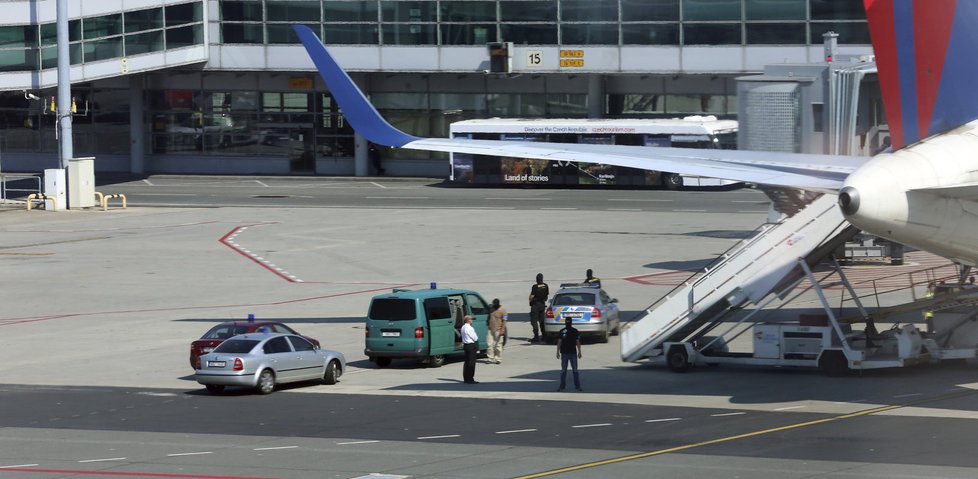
(422, 324)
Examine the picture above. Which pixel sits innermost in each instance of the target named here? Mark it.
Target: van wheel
(678, 359)
(382, 362)
(436, 361)
(332, 374)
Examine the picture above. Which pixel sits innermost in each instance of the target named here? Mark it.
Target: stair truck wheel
(672, 181)
(833, 363)
(678, 359)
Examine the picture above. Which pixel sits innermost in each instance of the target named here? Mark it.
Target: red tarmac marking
(224, 241)
(126, 474)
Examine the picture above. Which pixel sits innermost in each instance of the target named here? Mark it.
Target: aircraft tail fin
(925, 58)
(356, 108)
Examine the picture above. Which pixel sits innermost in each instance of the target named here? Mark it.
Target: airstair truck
(694, 324)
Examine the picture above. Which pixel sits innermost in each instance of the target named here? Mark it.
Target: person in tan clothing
(497, 329)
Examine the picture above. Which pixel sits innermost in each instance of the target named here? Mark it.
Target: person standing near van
(497, 329)
(539, 293)
(569, 351)
(591, 280)
(470, 344)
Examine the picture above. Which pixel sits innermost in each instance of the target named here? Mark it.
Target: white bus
(689, 132)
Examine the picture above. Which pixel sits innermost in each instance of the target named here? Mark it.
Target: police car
(592, 311)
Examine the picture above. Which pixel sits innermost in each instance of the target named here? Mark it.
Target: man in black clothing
(539, 293)
(591, 279)
(569, 351)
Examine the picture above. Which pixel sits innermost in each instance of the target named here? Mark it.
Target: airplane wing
(804, 171)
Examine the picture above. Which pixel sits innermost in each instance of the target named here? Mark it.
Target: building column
(360, 156)
(137, 126)
(595, 96)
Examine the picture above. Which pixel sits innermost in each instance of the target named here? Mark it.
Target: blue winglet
(358, 111)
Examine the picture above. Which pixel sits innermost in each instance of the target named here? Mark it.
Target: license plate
(216, 364)
(390, 334)
(573, 315)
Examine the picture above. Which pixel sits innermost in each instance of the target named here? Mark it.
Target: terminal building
(224, 87)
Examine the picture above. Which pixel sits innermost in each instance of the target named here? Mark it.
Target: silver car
(262, 360)
(592, 311)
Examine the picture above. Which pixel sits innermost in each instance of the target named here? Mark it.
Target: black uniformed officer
(539, 293)
(591, 279)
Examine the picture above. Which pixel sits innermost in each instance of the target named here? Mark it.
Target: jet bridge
(748, 273)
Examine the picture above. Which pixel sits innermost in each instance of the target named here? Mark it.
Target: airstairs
(748, 273)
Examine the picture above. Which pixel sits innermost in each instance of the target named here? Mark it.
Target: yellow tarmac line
(746, 435)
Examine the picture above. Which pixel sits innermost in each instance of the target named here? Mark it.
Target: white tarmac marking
(274, 448)
(748, 211)
(189, 453)
(355, 442)
(166, 194)
(515, 431)
(521, 199)
(378, 185)
(624, 209)
(664, 420)
(263, 184)
(398, 197)
(592, 425)
(106, 459)
(439, 437)
(558, 209)
(631, 199)
(18, 465)
(156, 394)
(147, 182)
(899, 396)
(788, 408)
(728, 414)
(689, 211)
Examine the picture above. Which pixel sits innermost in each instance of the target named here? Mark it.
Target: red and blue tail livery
(925, 56)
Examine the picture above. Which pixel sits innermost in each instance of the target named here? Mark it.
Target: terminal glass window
(139, 20)
(184, 36)
(184, 13)
(589, 34)
(776, 34)
(103, 49)
(241, 11)
(779, 10)
(528, 11)
(21, 36)
(529, 34)
(243, 33)
(49, 32)
(20, 59)
(837, 10)
(467, 34)
(292, 11)
(144, 43)
(707, 10)
(283, 33)
(472, 11)
(357, 11)
(350, 34)
(649, 10)
(409, 34)
(650, 34)
(103, 26)
(711, 34)
(410, 12)
(589, 10)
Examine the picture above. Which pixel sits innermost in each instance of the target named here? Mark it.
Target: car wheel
(617, 329)
(332, 374)
(678, 359)
(214, 388)
(266, 382)
(605, 335)
(436, 361)
(382, 362)
(672, 181)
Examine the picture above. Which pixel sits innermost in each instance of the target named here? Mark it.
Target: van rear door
(392, 323)
(441, 325)
(480, 317)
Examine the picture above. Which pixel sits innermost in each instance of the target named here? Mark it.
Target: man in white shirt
(470, 344)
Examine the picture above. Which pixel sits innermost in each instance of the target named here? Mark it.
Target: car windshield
(392, 309)
(237, 346)
(574, 299)
(224, 331)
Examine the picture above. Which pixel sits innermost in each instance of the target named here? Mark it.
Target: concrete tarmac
(113, 299)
